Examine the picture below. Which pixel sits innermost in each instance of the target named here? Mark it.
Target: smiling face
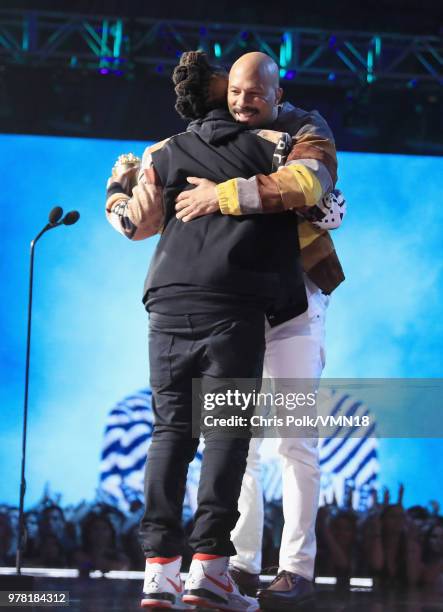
(253, 90)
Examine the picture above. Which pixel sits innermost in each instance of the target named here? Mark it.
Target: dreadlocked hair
(191, 79)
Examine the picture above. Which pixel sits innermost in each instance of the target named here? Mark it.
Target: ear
(278, 95)
(218, 88)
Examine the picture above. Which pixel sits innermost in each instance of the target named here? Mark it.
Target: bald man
(306, 174)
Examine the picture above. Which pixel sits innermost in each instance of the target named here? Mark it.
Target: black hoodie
(252, 255)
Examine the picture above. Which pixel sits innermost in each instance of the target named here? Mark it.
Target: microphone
(55, 215)
(71, 217)
(54, 221)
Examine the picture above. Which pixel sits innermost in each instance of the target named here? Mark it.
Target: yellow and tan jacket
(306, 172)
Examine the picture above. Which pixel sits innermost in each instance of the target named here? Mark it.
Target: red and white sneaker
(163, 587)
(209, 585)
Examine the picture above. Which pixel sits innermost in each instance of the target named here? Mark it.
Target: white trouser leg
(301, 488)
(298, 352)
(294, 349)
(248, 533)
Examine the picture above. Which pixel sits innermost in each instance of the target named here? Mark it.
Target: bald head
(256, 65)
(254, 92)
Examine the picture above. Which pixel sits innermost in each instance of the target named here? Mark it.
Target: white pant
(294, 349)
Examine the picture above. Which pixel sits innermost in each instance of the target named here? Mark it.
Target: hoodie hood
(216, 127)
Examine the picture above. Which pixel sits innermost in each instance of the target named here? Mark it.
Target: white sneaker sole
(203, 602)
(158, 604)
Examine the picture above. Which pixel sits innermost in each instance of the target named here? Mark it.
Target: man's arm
(140, 214)
(309, 172)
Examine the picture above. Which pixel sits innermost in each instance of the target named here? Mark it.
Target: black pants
(182, 347)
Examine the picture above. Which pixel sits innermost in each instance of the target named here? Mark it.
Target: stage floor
(109, 595)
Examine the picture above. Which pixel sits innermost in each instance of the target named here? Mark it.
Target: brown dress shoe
(286, 591)
(248, 583)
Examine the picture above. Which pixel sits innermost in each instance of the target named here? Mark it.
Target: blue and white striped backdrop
(128, 431)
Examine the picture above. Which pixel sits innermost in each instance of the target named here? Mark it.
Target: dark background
(48, 100)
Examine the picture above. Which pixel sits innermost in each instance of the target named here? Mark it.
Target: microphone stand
(18, 580)
(21, 525)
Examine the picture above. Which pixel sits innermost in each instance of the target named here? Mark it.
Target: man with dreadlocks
(207, 291)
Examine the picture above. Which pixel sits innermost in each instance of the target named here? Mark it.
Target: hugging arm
(305, 172)
(136, 213)
(302, 178)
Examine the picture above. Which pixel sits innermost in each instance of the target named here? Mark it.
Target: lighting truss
(310, 56)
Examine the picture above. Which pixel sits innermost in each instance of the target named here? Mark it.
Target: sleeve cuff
(114, 188)
(228, 198)
(115, 197)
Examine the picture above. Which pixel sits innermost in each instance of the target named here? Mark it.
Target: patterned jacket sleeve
(309, 172)
(138, 215)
